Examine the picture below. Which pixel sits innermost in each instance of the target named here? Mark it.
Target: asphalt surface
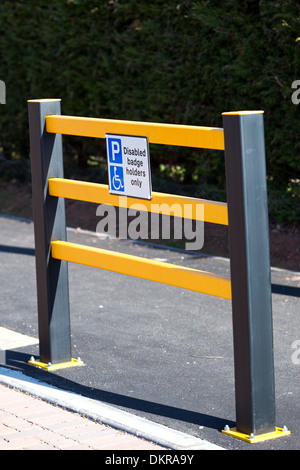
(151, 351)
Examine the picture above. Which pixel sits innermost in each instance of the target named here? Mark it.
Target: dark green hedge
(168, 61)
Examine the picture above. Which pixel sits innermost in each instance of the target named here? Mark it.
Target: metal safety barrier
(246, 213)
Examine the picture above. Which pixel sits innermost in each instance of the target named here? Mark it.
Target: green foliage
(180, 62)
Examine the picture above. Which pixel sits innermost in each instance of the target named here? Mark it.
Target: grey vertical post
(49, 224)
(250, 271)
(2, 92)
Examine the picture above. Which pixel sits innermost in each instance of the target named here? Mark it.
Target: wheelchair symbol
(117, 178)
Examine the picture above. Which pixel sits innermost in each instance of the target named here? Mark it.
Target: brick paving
(29, 423)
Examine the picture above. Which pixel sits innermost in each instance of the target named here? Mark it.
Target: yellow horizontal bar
(168, 134)
(214, 212)
(44, 100)
(166, 273)
(241, 113)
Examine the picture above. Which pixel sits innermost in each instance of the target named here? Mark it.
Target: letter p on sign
(115, 150)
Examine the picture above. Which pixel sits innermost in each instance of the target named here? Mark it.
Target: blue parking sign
(114, 150)
(128, 162)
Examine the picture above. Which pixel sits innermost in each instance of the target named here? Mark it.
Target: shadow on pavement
(19, 361)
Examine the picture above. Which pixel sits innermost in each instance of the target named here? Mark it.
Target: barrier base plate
(279, 432)
(61, 365)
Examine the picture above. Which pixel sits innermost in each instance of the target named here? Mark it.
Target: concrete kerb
(106, 414)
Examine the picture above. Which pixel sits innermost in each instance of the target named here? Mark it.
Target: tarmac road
(153, 351)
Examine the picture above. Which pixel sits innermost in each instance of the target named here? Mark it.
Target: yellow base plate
(61, 365)
(279, 432)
